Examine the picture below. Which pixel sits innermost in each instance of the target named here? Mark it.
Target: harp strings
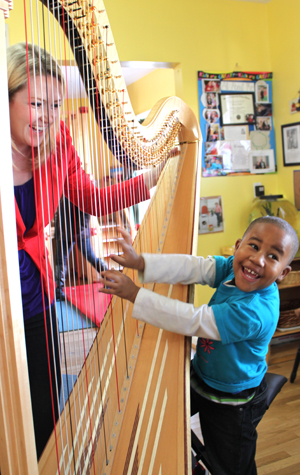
(100, 168)
(95, 370)
(67, 95)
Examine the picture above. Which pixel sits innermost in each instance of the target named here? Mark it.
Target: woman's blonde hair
(25, 61)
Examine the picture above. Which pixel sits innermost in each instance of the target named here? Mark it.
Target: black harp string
(35, 76)
(63, 335)
(32, 91)
(90, 292)
(122, 205)
(73, 237)
(104, 157)
(100, 78)
(102, 405)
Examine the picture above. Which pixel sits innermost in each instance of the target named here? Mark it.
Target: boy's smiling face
(261, 257)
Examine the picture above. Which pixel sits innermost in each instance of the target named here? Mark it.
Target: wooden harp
(128, 411)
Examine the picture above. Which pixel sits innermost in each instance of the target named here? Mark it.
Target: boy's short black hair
(282, 224)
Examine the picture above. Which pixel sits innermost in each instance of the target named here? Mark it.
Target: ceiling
(135, 70)
(255, 1)
(132, 75)
(132, 71)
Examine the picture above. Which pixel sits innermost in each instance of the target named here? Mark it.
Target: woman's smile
(31, 117)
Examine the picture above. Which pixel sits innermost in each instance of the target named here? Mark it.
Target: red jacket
(63, 172)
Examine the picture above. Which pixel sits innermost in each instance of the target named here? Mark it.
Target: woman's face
(31, 115)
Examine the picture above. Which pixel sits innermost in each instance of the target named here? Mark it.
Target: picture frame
(290, 134)
(262, 92)
(211, 215)
(211, 115)
(297, 188)
(211, 100)
(262, 161)
(237, 109)
(211, 85)
(263, 123)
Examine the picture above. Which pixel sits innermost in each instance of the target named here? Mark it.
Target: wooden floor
(278, 447)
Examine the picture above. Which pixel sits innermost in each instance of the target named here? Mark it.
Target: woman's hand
(151, 176)
(129, 258)
(116, 283)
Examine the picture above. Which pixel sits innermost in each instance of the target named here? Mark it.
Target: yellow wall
(150, 89)
(40, 27)
(209, 36)
(284, 33)
(214, 36)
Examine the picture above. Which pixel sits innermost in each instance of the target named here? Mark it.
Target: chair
(275, 382)
(296, 364)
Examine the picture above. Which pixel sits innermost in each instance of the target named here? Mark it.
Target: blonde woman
(45, 167)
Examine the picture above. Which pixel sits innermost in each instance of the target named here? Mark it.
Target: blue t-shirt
(246, 322)
(30, 276)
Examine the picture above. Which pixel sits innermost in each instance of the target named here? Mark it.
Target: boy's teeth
(250, 271)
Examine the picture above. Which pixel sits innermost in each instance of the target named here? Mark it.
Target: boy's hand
(129, 258)
(116, 283)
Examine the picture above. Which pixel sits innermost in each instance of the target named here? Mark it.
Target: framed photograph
(263, 110)
(214, 162)
(262, 161)
(212, 132)
(237, 109)
(262, 91)
(263, 123)
(211, 100)
(211, 115)
(211, 85)
(297, 188)
(291, 144)
(211, 217)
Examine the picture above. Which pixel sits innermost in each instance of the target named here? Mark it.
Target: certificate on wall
(237, 109)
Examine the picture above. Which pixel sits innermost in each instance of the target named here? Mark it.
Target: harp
(128, 411)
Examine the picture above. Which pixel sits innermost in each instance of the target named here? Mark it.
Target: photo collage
(236, 119)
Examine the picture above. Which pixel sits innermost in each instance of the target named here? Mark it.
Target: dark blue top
(30, 276)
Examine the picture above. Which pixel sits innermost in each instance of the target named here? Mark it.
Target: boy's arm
(160, 311)
(178, 268)
(167, 268)
(175, 316)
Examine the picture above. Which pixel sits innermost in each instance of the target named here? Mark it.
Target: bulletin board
(236, 120)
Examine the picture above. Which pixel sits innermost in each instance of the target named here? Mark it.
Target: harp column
(17, 444)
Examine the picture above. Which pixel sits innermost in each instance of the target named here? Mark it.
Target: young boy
(227, 374)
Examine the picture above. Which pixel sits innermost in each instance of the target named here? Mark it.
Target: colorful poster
(236, 119)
